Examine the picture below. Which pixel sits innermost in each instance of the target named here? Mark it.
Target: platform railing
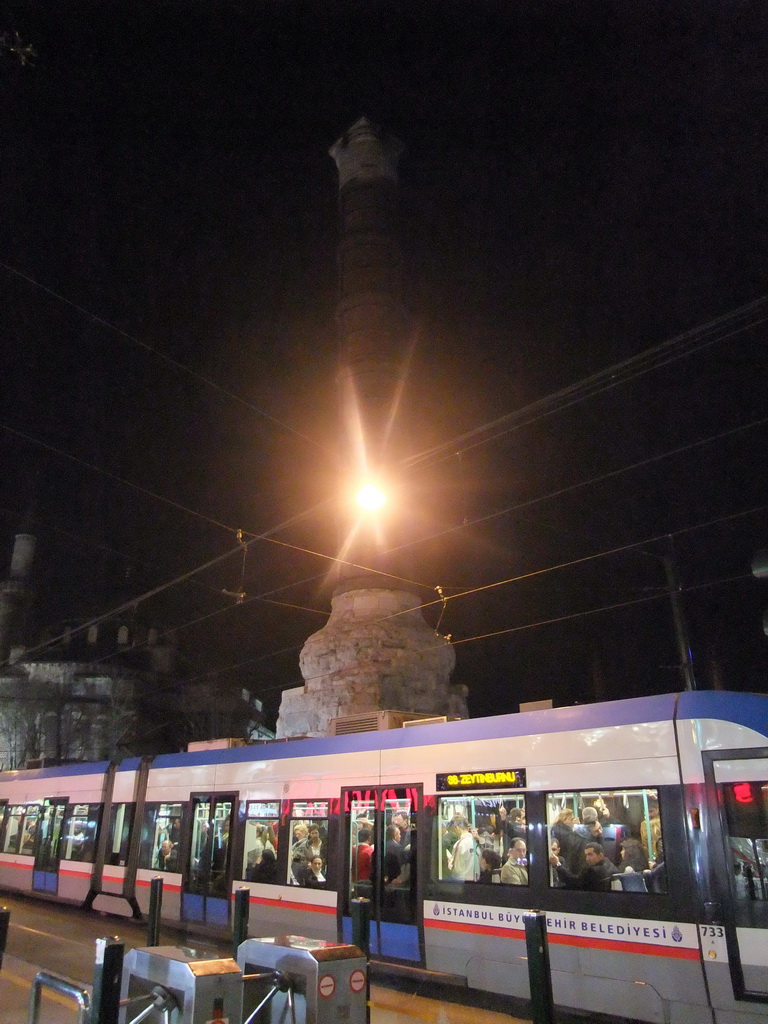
(64, 988)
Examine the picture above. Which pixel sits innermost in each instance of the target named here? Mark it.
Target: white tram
(308, 825)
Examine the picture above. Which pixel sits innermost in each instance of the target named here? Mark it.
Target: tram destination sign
(509, 778)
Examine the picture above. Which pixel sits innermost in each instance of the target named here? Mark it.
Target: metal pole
(539, 973)
(155, 910)
(360, 912)
(240, 918)
(106, 981)
(678, 618)
(5, 917)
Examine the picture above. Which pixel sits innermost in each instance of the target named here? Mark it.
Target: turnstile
(204, 987)
(328, 981)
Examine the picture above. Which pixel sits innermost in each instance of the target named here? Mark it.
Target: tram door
(206, 881)
(742, 785)
(45, 873)
(382, 866)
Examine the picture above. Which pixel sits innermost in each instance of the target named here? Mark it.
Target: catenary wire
(584, 483)
(613, 376)
(604, 608)
(466, 593)
(585, 386)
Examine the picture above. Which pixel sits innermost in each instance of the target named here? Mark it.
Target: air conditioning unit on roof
(226, 743)
(372, 721)
(429, 720)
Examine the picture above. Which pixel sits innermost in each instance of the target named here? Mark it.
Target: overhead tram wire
(140, 598)
(675, 348)
(253, 537)
(739, 320)
(604, 608)
(518, 629)
(584, 483)
(174, 363)
(534, 573)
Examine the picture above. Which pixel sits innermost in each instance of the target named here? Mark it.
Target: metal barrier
(240, 913)
(107, 973)
(64, 988)
(280, 983)
(201, 987)
(155, 910)
(162, 1003)
(325, 982)
(539, 972)
(5, 917)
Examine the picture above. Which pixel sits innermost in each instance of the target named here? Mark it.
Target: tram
(407, 818)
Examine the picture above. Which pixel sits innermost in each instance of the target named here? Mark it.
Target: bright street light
(371, 498)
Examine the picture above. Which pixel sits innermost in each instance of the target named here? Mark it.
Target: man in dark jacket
(596, 875)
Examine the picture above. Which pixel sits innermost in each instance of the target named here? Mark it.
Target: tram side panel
(169, 790)
(124, 798)
(614, 955)
(69, 853)
(298, 790)
(724, 757)
(281, 784)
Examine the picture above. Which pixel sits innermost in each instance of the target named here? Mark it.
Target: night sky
(583, 181)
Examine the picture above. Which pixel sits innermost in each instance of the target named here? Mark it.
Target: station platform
(388, 1006)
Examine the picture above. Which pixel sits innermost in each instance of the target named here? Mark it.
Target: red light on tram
(743, 793)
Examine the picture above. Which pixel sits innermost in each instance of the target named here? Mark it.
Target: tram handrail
(65, 988)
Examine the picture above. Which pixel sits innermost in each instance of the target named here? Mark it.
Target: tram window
(120, 824)
(308, 860)
(362, 816)
(262, 820)
(160, 837)
(481, 837)
(746, 812)
(626, 826)
(13, 830)
(80, 832)
(20, 829)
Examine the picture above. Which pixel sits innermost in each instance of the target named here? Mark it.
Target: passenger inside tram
(595, 876)
(490, 867)
(309, 872)
(515, 869)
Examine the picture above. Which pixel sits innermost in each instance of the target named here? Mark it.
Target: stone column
(376, 652)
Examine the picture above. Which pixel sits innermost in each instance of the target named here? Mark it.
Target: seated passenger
(594, 877)
(311, 874)
(554, 859)
(515, 870)
(656, 878)
(167, 856)
(298, 863)
(633, 856)
(490, 863)
(28, 843)
(265, 870)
